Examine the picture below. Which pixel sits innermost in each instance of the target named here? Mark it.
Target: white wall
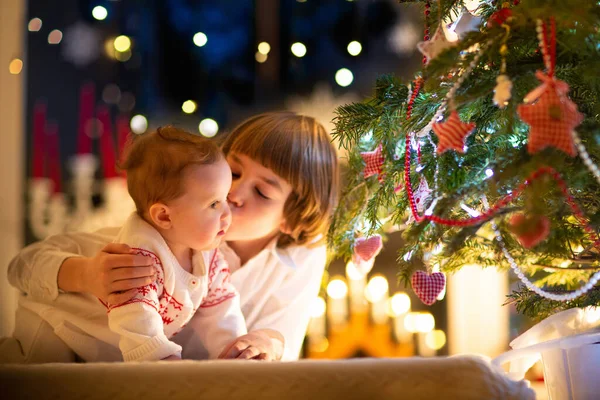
(12, 142)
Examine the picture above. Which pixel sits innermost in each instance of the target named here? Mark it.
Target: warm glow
(376, 289)
(100, 13)
(188, 106)
(260, 57)
(55, 37)
(200, 39)
(123, 55)
(354, 48)
(425, 322)
(15, 66)
(208, 127)
(419, 322)
(138, 124)
(344, 77)
(592, 315)
(399, 304)
(317, 308)
(337, 289)
(122, 43)
(299, 49)
(34, 25)
(435, 339)
(264, 48)
(353, 273)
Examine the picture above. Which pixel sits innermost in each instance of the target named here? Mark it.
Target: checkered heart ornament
(428, 287)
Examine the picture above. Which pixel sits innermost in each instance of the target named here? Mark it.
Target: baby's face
(257, 198)
(201, 216)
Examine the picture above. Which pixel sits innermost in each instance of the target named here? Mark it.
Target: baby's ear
(160, 215)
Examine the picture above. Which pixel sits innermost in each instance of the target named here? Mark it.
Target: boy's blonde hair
(155, 163)
(298, 149)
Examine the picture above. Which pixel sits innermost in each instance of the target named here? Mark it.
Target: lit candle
(399, 307)
(86, 110)
(376, 293)
(357, 282)
(317, 329)
(52, 143)
(337, 302)
(107, 146)
(424, 324)
(39, 141)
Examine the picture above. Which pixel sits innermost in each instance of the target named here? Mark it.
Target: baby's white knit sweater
(141, 327)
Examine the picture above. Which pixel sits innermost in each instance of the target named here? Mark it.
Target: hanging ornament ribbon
(548, 82)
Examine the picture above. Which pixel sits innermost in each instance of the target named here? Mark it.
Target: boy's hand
(114, 274)
(263, 344)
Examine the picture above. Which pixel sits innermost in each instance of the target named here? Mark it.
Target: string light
(15, 66)
(435, 339)
(376, 288)
(264, 48)
(100, 13)
(122, 43)
(138, 124)
(298, 49)
(200, 39)
(260, 57)
(34, 25)
(208, 127)
(55, 37)
(354, 48)
(188, 106)
(344, 77)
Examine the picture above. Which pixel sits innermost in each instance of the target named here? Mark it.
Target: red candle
(53, 157)
(39, 142)
(123, 132)
(107, 144)
(86, 112)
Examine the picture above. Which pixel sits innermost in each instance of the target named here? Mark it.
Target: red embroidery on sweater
(166, 320)
(135, 300)
(212, 303)
(144, 290)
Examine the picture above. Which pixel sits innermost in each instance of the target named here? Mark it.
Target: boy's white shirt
(276, 287)
(142, 328)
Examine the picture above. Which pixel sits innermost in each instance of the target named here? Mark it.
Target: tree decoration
(428, 287)
(530, 230)
(452, 133)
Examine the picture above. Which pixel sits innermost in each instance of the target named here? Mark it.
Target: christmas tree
(489, 156)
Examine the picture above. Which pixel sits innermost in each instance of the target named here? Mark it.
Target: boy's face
(256, 198)
(201, 216)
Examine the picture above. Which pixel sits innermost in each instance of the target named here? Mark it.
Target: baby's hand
(172, 358)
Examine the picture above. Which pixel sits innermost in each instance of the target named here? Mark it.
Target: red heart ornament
(366, 248)
(428, 286)
(530, 231)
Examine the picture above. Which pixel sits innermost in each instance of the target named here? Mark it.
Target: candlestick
(337, 302)
(317, 329)
(376, 293)
(399, 307)
(357, 282)
(39, 141)
(86, 110)
(54, 170)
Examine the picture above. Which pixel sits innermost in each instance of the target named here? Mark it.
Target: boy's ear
(160, 215)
